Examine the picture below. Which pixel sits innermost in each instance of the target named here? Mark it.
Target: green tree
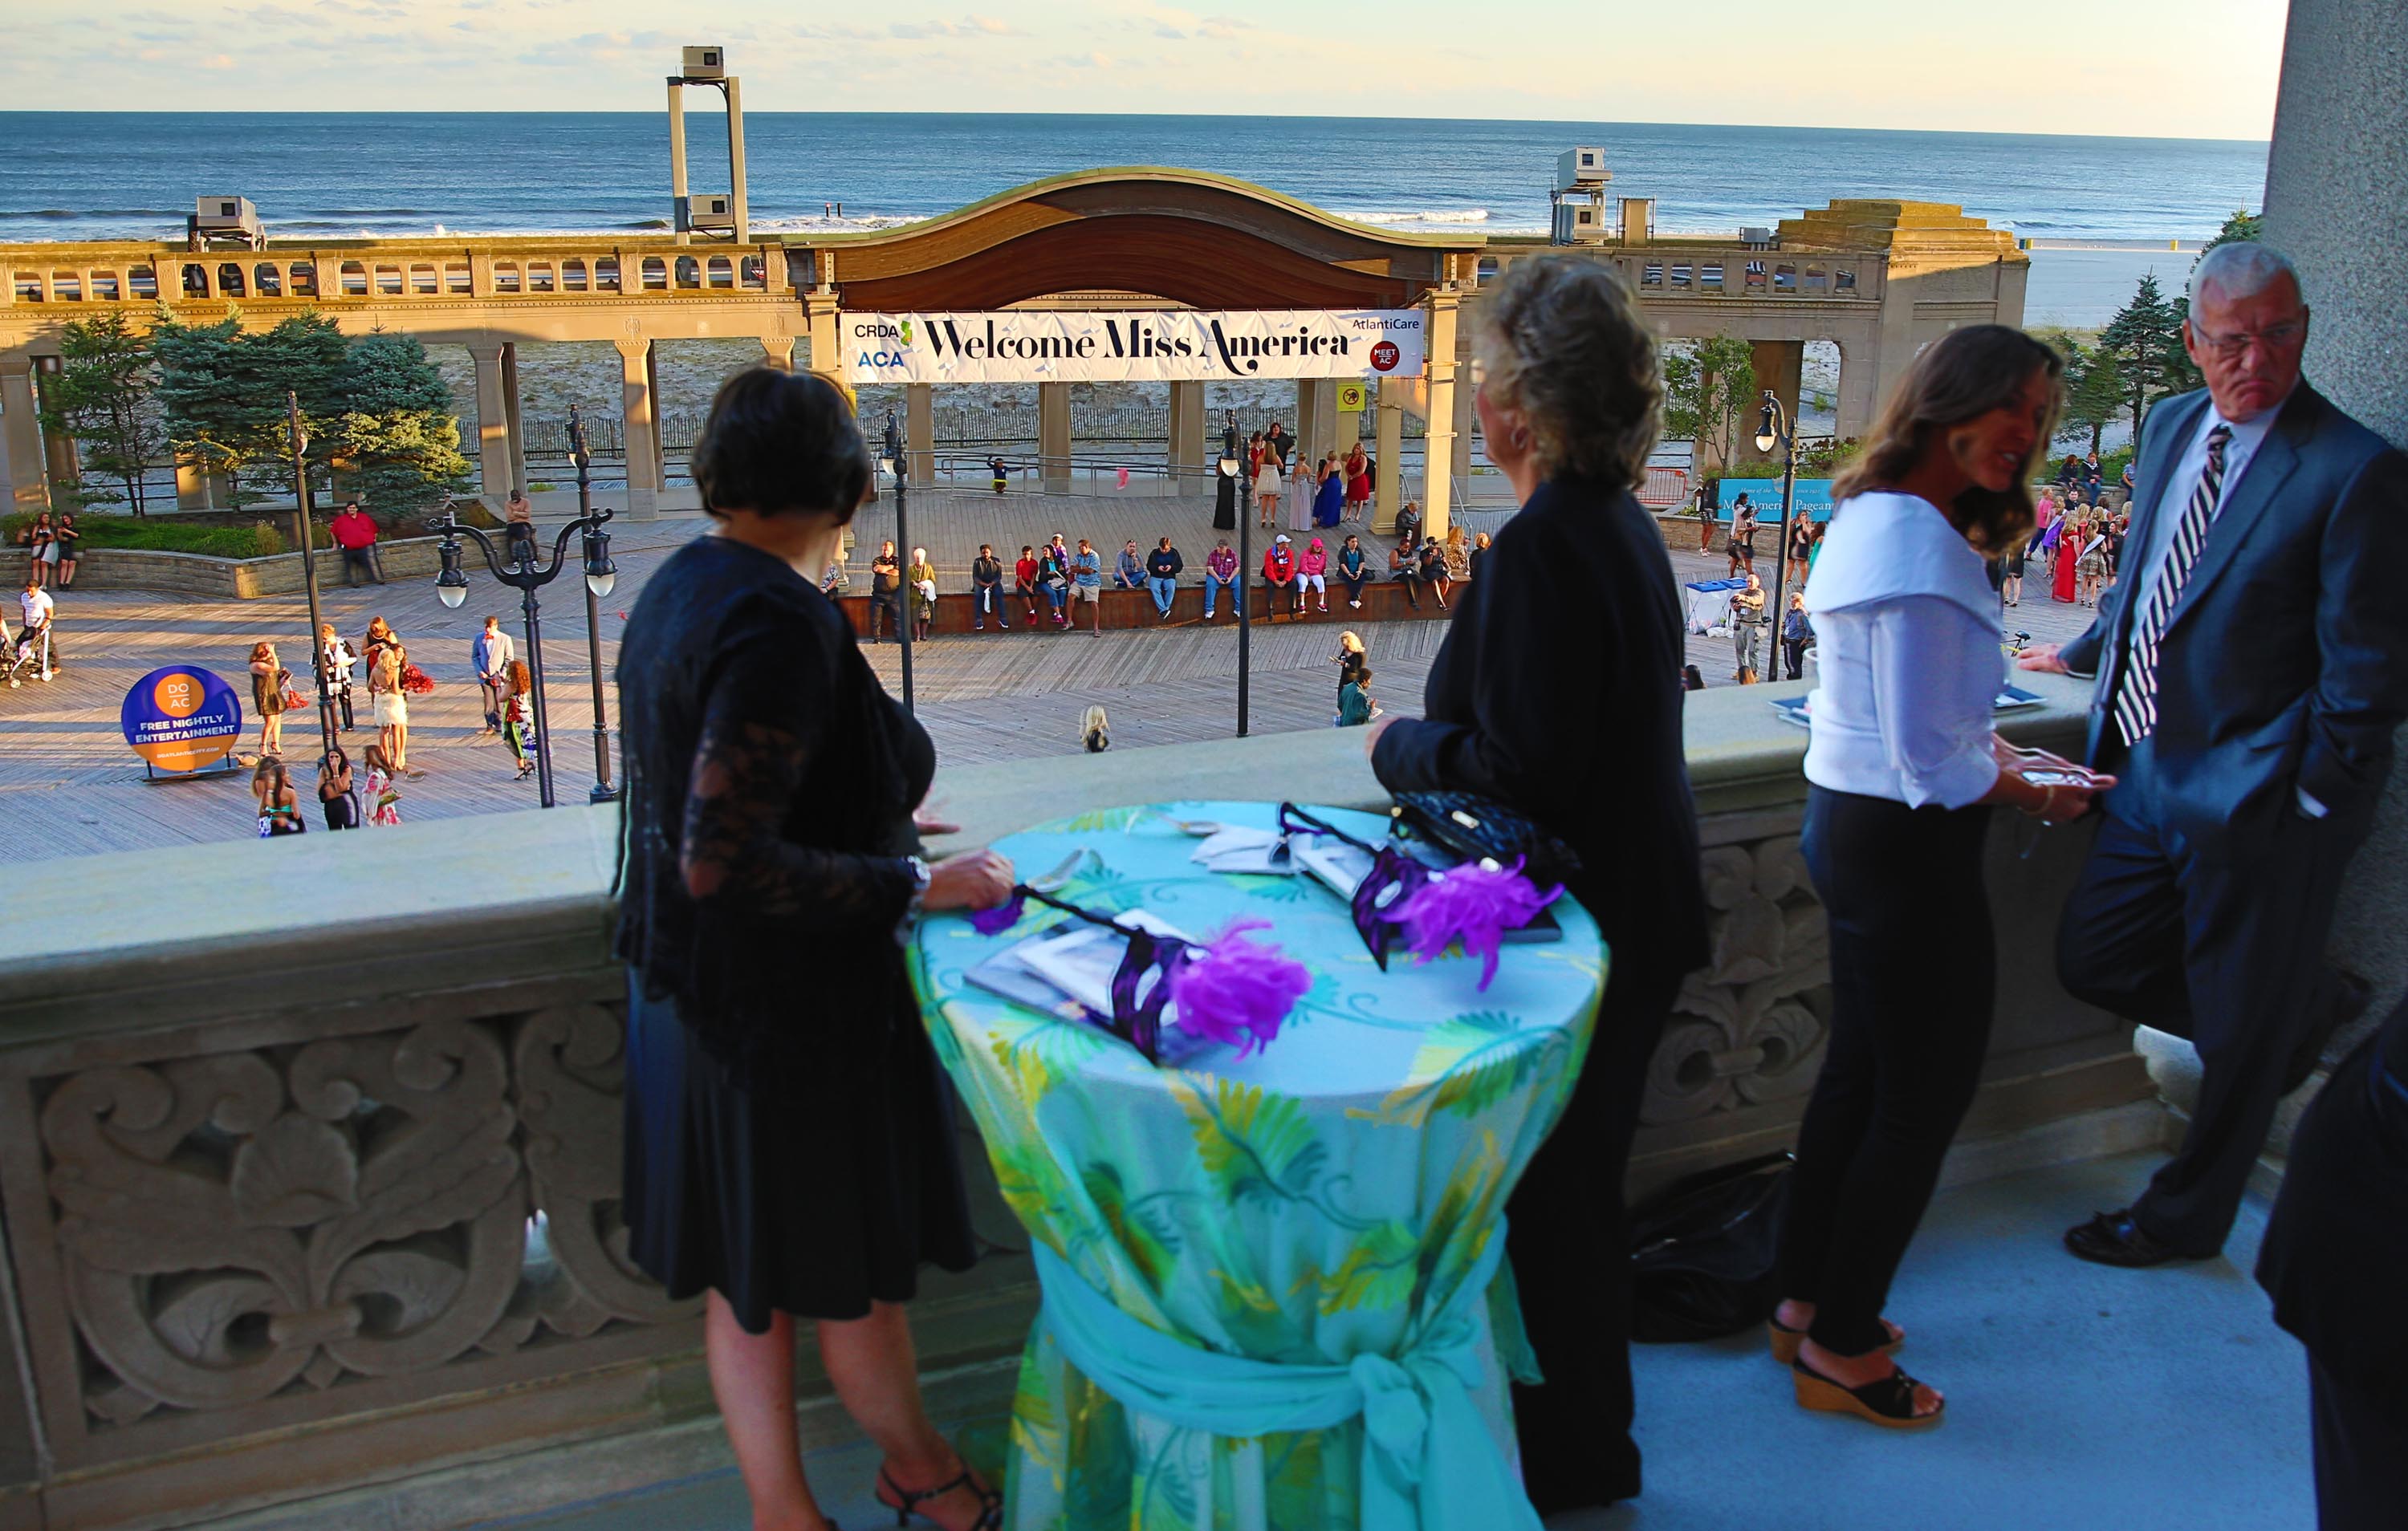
(2094, 396)
(2144, 342)
(1708, 394)
(393, 426)
(101, 397)
(224, 393)
(2242, 225)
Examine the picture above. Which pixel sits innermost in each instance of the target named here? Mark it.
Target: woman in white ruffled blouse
(1902, 771)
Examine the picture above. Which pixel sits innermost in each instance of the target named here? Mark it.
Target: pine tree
(2144, 341)
(1707, 391)
(394, 428)
(2094, 396)
(101, 397)
(2242, 225)
(224, 393)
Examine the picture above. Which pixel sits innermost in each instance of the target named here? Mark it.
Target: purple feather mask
(1474, 904)
(1236, 990)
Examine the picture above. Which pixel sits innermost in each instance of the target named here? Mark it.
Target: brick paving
(69, 786)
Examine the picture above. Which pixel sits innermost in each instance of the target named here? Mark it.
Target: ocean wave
(1428, 215)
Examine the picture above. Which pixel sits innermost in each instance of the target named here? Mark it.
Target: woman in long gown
(2071, 527)
(1303, 484)
(1331, 502)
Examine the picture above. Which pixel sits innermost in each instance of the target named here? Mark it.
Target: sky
(2153, 68)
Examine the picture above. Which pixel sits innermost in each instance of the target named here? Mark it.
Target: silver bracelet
(920, 876)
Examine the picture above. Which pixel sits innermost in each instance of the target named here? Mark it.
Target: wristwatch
(920, 874)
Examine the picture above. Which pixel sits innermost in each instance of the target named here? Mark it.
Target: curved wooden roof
(1204, 240)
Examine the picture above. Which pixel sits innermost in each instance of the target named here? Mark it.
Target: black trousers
(1567, 1232)
(2361, 1454)
(359, 560)
(1794, 650)
(2227, 953)
(1914, 984)
(343, 704)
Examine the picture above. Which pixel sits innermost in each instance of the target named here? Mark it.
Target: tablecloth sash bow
(1428, 1459)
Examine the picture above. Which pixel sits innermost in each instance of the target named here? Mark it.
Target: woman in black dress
(789, 1144)
(1558, 691)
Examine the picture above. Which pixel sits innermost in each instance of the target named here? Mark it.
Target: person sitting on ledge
(1405, 568)
(1434, 572)
(1353, 570)
(922, 578)
(1024, 582)
(986, 590)
(1279, 572)
(1219, 574)
(1162, 569)
(1313, 573)
(1128, 573)
(1087, 584)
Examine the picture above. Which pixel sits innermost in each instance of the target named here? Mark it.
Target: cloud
(1095, 60)
(218, 61)
(968, 26)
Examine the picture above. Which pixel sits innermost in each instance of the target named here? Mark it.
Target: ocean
(117, 175)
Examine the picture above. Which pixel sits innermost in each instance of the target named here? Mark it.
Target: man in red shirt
(356, 535)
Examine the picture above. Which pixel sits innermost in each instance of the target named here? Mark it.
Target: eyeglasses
(2229, 348)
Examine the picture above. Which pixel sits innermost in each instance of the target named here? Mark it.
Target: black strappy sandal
(1889, 1403)
(906, 1501)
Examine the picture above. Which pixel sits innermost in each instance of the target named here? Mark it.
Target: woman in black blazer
(789, 1141)
(1576, 593)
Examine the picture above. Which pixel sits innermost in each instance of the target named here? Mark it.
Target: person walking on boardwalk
(2251, 669)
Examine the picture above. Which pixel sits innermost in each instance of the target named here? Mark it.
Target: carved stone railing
(309, 1149)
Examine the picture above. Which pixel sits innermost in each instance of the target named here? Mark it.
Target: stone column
(1308, 420)
(2336, 180)
(1388, 482)
(1465, 419)
(61, 463)
(22, 434)
(495, 470)
(1856, 401)
(1440, 448)
(779, 351)
(194, 488)
(512, 416)
(1780, 366)
(822, 323)
(637, 428)
(678, 197)
(919, 431)
(1187, 434)
(1053, 435)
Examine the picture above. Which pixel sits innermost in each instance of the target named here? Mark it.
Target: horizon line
(1255, 116)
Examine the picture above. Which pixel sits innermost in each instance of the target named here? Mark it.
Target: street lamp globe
(601, 573)
(451, 585)
(1765, 435)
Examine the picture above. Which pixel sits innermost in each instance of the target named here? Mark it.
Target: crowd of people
(369, 794)
(1047, 586)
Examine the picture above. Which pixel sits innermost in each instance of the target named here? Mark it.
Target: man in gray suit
(2252, 667)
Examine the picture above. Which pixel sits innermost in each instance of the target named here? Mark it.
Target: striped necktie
(2136, 698)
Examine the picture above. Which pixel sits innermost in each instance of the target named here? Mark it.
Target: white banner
(1120, 346)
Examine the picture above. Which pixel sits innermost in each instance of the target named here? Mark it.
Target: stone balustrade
(224, 579)
(310, 1148)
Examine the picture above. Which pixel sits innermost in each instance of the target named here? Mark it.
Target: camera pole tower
(728, 214)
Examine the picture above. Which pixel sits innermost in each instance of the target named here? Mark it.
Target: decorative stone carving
(304, 1216)
(1748, 1028)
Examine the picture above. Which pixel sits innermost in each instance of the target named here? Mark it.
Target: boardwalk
(68, 785)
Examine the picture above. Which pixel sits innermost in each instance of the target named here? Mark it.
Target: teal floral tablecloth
(1328, 1198)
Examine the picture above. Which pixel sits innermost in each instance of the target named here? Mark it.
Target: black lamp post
(578, 453)
(1774, 428)
(522, 573)
(903, 548)
(1231, 464)
(300, 443)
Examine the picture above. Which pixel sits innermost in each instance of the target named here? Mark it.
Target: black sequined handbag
(1477, 828)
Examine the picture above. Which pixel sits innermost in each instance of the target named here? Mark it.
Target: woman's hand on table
(974, 880)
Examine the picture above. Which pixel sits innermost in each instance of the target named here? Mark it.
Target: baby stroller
(20, 658)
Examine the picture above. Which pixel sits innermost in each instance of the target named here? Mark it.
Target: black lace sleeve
(767, 714)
